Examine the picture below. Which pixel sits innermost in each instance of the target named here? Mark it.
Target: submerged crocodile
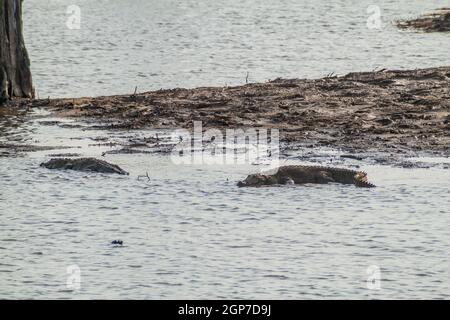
(83, 164)
(307, 174)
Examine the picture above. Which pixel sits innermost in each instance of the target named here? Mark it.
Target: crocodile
(83, 164)
(298, 174)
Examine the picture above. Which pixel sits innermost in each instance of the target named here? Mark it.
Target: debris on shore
(437, 21)
(117, 242)
(83, 164)
(383, 111)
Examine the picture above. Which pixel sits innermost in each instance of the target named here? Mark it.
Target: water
(189, 232)
(155, 44)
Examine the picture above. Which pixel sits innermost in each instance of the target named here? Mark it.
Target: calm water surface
(156, 44)
(189, 232)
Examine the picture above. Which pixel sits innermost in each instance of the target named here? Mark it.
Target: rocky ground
(382, 111)
(437, 21)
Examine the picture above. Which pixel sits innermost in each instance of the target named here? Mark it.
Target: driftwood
(437, 21)
(15, 74)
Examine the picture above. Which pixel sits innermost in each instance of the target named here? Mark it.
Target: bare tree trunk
(15, 74)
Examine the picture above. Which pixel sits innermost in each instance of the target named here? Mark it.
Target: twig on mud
(381, 70)
(246, 78)
(142, 176)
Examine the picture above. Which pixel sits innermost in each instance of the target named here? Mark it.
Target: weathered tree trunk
(15, 74)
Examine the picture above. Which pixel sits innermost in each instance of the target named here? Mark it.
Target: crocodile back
(309, 174)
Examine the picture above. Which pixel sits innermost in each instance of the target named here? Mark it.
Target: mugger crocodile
(299, 174)
(83, 164)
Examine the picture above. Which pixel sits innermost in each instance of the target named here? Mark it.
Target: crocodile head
(360, 180)
(257, 179)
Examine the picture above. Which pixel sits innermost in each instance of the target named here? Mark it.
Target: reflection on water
(9, 120)
(12, 129)
(189, 232)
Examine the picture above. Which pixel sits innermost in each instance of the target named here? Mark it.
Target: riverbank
(383, 111)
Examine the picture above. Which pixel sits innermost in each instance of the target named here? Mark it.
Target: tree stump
(15, 74)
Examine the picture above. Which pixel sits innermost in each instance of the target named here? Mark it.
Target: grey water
(153, 44)
(188, 231)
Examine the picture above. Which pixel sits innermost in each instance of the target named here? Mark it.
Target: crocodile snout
(241, 184)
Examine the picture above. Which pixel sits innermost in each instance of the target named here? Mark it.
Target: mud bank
(383, 111)
(437, 21)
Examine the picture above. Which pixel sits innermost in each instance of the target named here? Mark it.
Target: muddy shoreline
(381, 111)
